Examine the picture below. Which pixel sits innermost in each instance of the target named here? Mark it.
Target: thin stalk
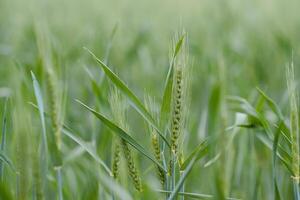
(173, 171)
(166, 185)
(296, 189)
(183, 185)
(3, 139)
(294, 123)
(18, 185)
(59, 183)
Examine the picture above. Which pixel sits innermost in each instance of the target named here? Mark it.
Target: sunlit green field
(133, 99)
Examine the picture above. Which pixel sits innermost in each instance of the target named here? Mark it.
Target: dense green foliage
(128, 99)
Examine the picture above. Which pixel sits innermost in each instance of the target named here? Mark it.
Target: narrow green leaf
(178, 45)
(271, 104)
(6, 160)
(134, 101)
(112, 186)
(242, 105)
(214, 108)
(44, 145)
(58, 171)
(3, 140)
(274, 156)
(268, 143)
(184, 175)
(4, 120)
(195, 195)
(186, 172)
(200, 150)
(245, 107)
(277, 193)
(67, 131)
(96, 87)
(87, 148)
(40, 104)
(122, 134)
(166, 102)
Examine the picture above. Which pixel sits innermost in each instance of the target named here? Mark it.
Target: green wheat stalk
(294, 125)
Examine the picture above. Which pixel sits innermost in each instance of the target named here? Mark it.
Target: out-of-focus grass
(234, 47)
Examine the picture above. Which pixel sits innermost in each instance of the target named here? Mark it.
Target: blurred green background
(233, 45)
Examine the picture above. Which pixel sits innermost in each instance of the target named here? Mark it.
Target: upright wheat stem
(22, 154)
(177, 117)
(294, 124)
(59, 180)
(56, 127)
(3, 139)
(176, 123)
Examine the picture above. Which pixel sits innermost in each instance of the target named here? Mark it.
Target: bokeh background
(234, 47)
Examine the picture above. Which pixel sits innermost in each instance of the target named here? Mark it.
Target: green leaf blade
(122, 134)
(134, 101)
(87, 148)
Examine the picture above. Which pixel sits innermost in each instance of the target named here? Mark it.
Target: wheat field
(143, 100)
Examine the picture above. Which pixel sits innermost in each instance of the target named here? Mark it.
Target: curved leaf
(134, 101)
(200, 150)
(6, 160)
(184, 175)
(166, 102)
(87, 148)
(122, 134)
(195, 195)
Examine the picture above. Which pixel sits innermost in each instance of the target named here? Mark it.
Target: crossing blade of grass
(245, 107)
(268, 143)
(40, 104)
(184, 175)
(274, 156)
(122, 134)
(44, 145)
(294, 126)
(134, 101)
(96, 87)
(7, 161)
(87, 148)
(242, 105)
(178, 46)
(112, 186)
(3, 140)
(274, 107)
(166, 102)
(178, 186)
(282, 124)
(59, 182)
(200, 150)
(195, 195)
